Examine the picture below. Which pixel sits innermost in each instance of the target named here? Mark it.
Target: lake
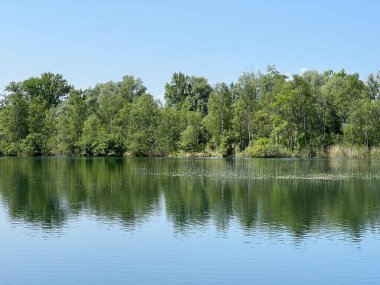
(189, 221)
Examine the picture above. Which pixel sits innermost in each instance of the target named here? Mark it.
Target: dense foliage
(261, 115)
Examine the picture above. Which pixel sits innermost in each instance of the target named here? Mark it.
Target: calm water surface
(189, 221)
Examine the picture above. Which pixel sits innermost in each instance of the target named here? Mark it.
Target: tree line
(261, 115)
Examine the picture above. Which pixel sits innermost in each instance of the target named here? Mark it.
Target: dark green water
(189, 221)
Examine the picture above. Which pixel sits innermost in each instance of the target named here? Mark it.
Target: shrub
(263, 147)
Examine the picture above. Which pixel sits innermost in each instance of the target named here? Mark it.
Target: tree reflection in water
(300, 196)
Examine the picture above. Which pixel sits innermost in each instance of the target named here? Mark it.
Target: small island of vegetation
(261, 115)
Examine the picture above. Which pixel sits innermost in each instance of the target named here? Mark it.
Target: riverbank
(335, 151)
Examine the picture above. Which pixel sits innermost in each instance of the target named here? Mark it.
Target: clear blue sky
(97, 41)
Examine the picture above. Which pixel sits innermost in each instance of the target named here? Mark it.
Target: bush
(189, 139)
(263, 147)
(227, 146)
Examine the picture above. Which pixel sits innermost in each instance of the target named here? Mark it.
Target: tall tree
(69, 124)
(177, 91)
(143, 124)
(219, 119)
(51, 88)
(172, 123)
(364, 125)
(192, 137)
(14, 123)
(373, 85)
(197, 101)
(245, 93)
(188, 93)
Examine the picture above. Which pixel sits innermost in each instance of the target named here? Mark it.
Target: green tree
(188, 93)
(92, 132)
(192, 138)
(344, 90)
(177, 91)
(373, 85)
(326, 120)
(14, 122)
(219, 119)
(51, 88)
(171, 124)
(199, 95)
(245, 93)
(364, 125)
(104, 94)
(131, 88)
(264, 118)
(69, 124)
(40, 127)
(143, 123)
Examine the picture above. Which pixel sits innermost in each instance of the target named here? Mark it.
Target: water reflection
(299, 196)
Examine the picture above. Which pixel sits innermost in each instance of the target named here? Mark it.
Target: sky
(91, 42)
